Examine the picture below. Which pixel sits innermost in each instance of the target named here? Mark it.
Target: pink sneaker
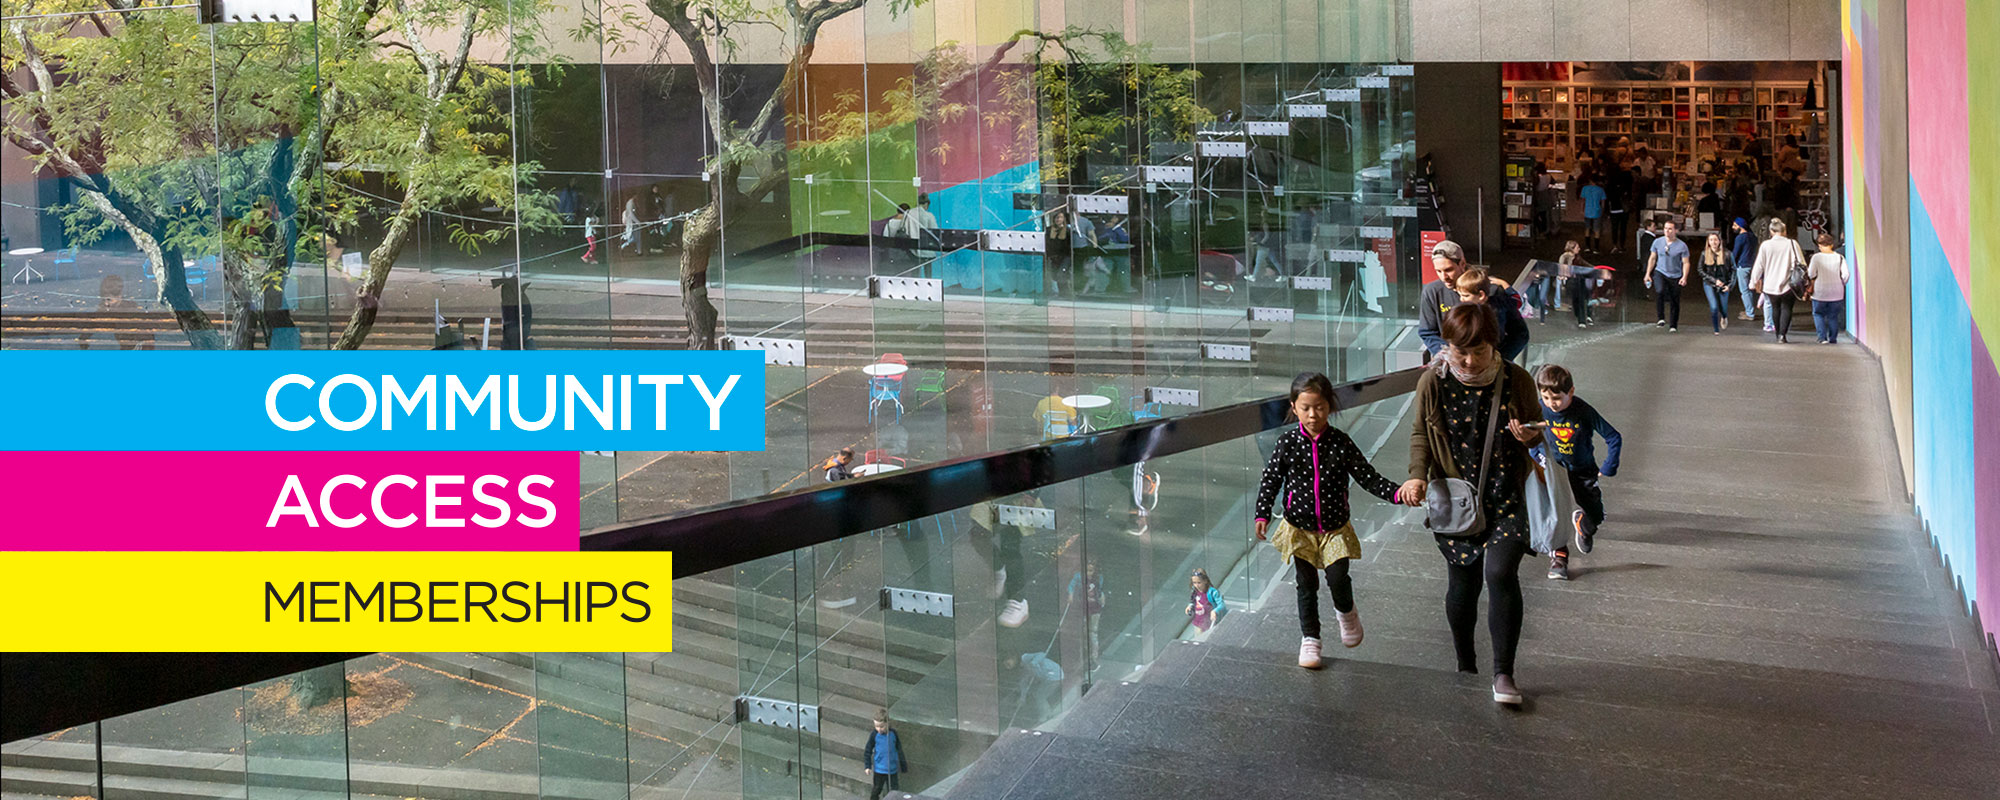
(1309, 653)
(1350, 627)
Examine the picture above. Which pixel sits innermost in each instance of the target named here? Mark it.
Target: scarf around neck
(1474, 379)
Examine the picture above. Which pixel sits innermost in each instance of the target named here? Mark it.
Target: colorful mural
(1908, 103)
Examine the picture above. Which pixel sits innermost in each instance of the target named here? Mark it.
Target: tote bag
(1547, 493)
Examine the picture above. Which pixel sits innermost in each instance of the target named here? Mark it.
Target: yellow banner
(336, 602)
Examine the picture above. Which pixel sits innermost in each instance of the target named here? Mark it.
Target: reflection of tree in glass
(1089, 119)
(248, 142)
(1100, 100)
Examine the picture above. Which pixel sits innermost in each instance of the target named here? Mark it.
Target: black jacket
(1314, 475)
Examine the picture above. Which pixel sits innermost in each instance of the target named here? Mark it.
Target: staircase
(965, 342)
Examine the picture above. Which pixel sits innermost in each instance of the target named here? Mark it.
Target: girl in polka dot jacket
(1312, 464)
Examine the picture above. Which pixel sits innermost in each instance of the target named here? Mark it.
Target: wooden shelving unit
(1681, 120)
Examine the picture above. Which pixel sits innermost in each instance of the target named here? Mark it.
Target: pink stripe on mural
(1940, 128)
(1985, 483)
(225, 501)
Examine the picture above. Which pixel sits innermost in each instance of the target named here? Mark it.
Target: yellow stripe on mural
(336, 602)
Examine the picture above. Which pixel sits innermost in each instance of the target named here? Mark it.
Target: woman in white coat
(630, 220)
(1772, 275)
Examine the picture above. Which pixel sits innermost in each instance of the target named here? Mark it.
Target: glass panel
(580, 730)
(295, 735)
(203, 738)
(60, 764)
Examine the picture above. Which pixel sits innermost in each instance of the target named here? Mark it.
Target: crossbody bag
(1452, 508)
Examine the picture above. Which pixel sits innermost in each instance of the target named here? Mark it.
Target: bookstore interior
(1697, 120)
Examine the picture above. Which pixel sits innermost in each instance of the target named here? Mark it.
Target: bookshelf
(1681, 120)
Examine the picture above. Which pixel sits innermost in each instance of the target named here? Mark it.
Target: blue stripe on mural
(1941, 388)
(988, 204)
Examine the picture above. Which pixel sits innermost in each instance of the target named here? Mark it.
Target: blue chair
(198, 274)
(65, 257)
(881, 390)
(1142, 410)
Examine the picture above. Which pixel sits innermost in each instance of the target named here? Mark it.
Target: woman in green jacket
(1446, 440)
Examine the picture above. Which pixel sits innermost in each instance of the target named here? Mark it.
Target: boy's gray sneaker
(1584, 535)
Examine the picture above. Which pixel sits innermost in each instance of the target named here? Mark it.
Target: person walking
(1829, 275)
(590, 237)
(1312, 463)
(1441, 295)
(1593, 213)
(1570, 423)
(1449, 437)
(883, 755)
(630, 220)
(1773, 274)
(1718, 272)
(1578, 285)
(1666, 271)
(1743, 253)
(1618, 191)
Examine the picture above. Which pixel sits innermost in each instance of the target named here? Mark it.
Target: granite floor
(1762, 617)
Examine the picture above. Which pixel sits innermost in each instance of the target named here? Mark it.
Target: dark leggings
(1579, 299)
(1498, 569)
(1337, 584)
(1007, 548)
(1781, 313)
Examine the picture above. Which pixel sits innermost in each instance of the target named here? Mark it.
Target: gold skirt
(1318, 548)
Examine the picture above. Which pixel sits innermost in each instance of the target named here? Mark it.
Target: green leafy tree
(215, 141)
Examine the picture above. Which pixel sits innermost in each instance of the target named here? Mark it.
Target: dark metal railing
(720, 537)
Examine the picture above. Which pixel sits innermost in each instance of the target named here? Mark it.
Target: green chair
(930, 381)
(1110, 416)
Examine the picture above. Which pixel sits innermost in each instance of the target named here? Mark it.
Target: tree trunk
(236, 303)
(698, 242)
(380, 260)
(317, 687)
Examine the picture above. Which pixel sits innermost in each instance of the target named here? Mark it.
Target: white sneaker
(1504, 691)
(1350, 627)
(1309, 653)
(1015, 614)
(999, 583)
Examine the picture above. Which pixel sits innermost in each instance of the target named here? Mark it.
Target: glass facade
(1115, 211)
(1099, 194)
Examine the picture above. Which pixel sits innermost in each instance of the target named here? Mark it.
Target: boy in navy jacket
(1571, 423)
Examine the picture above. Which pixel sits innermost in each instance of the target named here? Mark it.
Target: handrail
(48, 692)
(722, 536)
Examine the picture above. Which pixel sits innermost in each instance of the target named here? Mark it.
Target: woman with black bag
(1780, 269)
(1458, 441)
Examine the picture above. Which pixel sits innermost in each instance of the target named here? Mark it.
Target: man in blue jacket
(1743, 252)
(1440, 296)
(884, 756)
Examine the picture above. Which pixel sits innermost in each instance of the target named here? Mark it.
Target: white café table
(1084, 403)
(866, 470)
(28, 272)
(884, 370)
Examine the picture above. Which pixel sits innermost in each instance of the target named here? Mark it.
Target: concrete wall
(1624, 30)
(1458, 126)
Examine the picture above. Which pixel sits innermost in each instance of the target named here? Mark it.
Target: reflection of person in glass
(111, 297)
(1056, 254)
(630, 219)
